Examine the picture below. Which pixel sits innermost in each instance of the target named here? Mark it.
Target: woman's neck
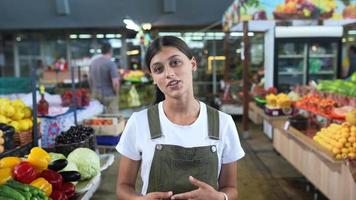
(182, 111)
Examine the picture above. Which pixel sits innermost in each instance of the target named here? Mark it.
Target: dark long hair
(166, 41)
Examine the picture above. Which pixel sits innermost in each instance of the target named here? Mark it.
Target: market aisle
(262, 174)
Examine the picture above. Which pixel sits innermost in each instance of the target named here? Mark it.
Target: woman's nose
(169, 72)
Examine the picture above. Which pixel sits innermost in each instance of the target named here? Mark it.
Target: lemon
(18, 103)
(339, 145)
(348, 144)
(336, 150)
(345, 150)
(344, 155)
(16, 125)
(352, 139)
(27, 112)
(342, 140)
(4, 119)
(338, 157)
(24, 126)
(18, 115)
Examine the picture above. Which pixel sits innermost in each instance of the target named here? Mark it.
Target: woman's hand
(204, 192)
(157, 196)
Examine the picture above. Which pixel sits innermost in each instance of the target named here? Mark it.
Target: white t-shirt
(136, 142)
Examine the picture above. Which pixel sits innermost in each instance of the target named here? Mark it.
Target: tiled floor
(262, 174)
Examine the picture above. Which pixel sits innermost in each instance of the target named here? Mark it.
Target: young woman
(186, 149)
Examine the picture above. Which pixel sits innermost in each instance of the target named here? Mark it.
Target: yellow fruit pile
(15, 113)
(278, 101)
(339, 139)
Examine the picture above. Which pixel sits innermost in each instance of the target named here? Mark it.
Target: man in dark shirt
(352, 58)
(104, 80)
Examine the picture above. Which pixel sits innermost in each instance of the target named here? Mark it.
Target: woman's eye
(175, 62)
(158, 69)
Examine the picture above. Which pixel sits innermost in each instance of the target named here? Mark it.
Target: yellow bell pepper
(38, 163)
(9, 162)
(43, 185)
(39, 152)
(39, 158)
(5, 175)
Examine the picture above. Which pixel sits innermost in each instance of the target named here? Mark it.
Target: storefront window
(28, 51)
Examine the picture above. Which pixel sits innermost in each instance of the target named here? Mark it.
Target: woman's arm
(128, 170)
(228, 180)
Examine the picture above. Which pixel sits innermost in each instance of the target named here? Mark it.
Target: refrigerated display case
(301, 60)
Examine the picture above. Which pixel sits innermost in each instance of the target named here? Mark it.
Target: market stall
(320, 139)
(66, 164)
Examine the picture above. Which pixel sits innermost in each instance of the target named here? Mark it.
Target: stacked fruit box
(107, 129)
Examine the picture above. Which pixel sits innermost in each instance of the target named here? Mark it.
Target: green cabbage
(87, 161)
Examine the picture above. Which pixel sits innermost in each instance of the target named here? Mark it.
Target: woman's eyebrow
(171, 57)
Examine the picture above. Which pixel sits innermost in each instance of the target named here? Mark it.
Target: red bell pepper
(25, 172)
(54, 178)
(68, 189)
(58, 195)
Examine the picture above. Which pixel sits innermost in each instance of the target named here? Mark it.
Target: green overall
(172, 164)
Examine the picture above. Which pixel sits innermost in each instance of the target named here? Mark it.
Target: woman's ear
(194, 64)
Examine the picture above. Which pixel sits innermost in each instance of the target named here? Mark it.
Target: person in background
(349, 63)
(104, 80)
(185, 148)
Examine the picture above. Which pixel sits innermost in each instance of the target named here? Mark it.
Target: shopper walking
(104, 80)
(186, 149)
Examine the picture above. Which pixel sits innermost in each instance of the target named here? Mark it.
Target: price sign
(275, 113)
(286, 125)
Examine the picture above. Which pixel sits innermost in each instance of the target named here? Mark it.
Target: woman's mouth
(173, 83)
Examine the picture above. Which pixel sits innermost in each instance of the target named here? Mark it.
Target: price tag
(286, 125)
(275, 113)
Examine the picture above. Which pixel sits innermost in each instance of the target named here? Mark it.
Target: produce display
(74, 137)
(304, 9)
(338, 139)
(279, 104)
(87, 161)
(136, 95)
(44, 175)
(82, 95)
(134, 76)
(344, 87)
(317, 104)
(16, 114)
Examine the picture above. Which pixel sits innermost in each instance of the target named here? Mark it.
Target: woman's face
(172, 70)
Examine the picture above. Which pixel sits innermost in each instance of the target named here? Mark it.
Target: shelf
(290, 73)
(325, 72)
(290, 56)
(322, 56)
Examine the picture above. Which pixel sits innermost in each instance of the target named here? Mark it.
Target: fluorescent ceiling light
(73, 36)
(99, 35)
(236, 34)
(130, 24)
(147, 26)
(84, 36)
(110, 35)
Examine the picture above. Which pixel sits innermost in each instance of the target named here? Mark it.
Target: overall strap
(213, 123)
(154, 122)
